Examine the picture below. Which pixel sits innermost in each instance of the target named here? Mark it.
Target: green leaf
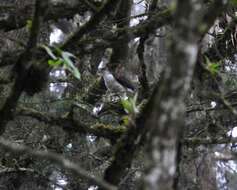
(64, 58)
(76, 73)
(67, 58)
(69, 65)
(134, 102)
(212, 67)
(130, 104)
(55, 63)
(127, 105)
(125, 120)
(49, 51)
(29, 24)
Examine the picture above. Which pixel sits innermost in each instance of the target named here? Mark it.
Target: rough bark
(166, 117)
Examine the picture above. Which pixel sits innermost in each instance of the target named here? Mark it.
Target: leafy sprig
(62, 58)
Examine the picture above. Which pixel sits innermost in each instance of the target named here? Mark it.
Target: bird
(125, 77)
(111, 83)
(116, 82)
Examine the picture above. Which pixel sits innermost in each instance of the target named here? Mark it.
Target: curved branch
(72, 124)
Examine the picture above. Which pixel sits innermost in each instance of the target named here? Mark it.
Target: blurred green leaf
(129, 104)
(49, 51)
(125, 120)
(64, 58)
(67, 58)
(233, 2)
(58, 51)
(69, 65)
(29, 24)
(55, 63)
(212, 67)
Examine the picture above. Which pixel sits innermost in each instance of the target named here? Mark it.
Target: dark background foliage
(154, 106)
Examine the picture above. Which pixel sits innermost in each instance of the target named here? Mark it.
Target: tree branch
(69, 123)
(16, 18)
(108, 7)
(56, 159)
(22, 67)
